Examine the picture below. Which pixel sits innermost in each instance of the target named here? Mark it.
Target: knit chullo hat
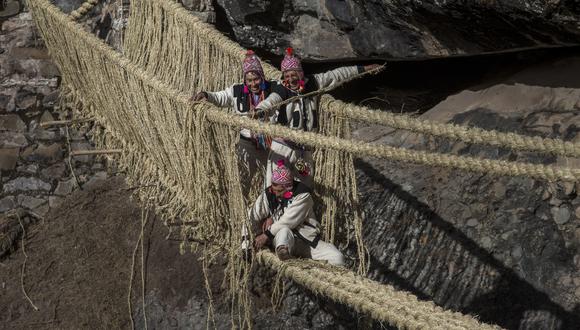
(290, 61)
(282, 175)
(252, 64)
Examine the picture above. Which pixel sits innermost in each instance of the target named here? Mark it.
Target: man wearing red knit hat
(285, 210)
(301, 114)
(244, 98)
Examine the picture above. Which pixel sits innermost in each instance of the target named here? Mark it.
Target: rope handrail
(550, 173)
(363, 114)
(381, 301)
(83, 9)
(92, 63)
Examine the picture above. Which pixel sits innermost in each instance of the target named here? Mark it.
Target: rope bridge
(189, 150)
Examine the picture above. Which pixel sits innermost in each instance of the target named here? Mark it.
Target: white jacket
(302, 114)
(297, 213)
(234, 98)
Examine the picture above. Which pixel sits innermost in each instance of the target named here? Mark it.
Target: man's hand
(201, 96)
(372, 67)
(267, 224)
(260, 241)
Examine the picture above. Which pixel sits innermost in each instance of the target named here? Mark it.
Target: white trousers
(300, 248)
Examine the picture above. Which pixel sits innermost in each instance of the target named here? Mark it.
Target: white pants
(300, 248)
(252, 163)
(279, 150)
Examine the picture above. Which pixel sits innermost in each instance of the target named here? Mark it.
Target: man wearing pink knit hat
(243, 98)
(285, 210)
(301, 114)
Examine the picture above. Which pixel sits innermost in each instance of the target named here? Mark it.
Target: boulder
(399, 28)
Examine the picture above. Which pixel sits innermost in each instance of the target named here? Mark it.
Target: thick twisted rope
(383, 302)
(463, 133)
(550, 173)
(205, 31)
(83, 9)
(158, 125)
(358, 148)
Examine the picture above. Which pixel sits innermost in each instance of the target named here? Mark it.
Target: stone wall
(34, 172)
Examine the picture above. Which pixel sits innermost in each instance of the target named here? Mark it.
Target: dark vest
(243, 99)
(285, 93)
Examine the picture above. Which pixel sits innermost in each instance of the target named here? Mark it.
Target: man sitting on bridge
(286, 212)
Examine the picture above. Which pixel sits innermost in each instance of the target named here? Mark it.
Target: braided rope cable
(383, 302)
(462, 133)
(83, 9)
(359, 148)
(152, 103)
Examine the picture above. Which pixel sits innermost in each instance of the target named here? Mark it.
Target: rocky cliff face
(503, 248)
(398, 28)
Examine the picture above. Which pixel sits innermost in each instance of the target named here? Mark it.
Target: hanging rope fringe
(190, 149)
(184, 26)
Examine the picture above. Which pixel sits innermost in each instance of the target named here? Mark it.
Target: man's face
(292, 77)
(278, 190)
(253, 82)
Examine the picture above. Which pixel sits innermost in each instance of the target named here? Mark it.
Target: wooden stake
(95, 152)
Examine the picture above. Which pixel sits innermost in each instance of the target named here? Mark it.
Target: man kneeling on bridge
(286, 212)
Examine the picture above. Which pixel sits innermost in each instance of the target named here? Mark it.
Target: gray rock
(12, 123)
(12, 140)
(49, 153)
(99, 176)
(65, 187)
(55, 201)
(499, 190)
(555, 201)
(44, 134)
(30, 202)
(472, 222)
(517, 252)
(569, 188)
(7, 203)
(565, 280)
(28, 169)
(561, 214)
(46, 117)
(42, 210)
(25, 99)
(486, 242)
(8, 158)
(26, 184)
(55, 171)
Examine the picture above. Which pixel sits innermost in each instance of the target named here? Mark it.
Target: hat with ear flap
(290, 61)
(252, 64)
(282, 175)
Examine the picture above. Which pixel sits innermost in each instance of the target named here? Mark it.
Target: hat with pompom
(290, 61)
(252, 64)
